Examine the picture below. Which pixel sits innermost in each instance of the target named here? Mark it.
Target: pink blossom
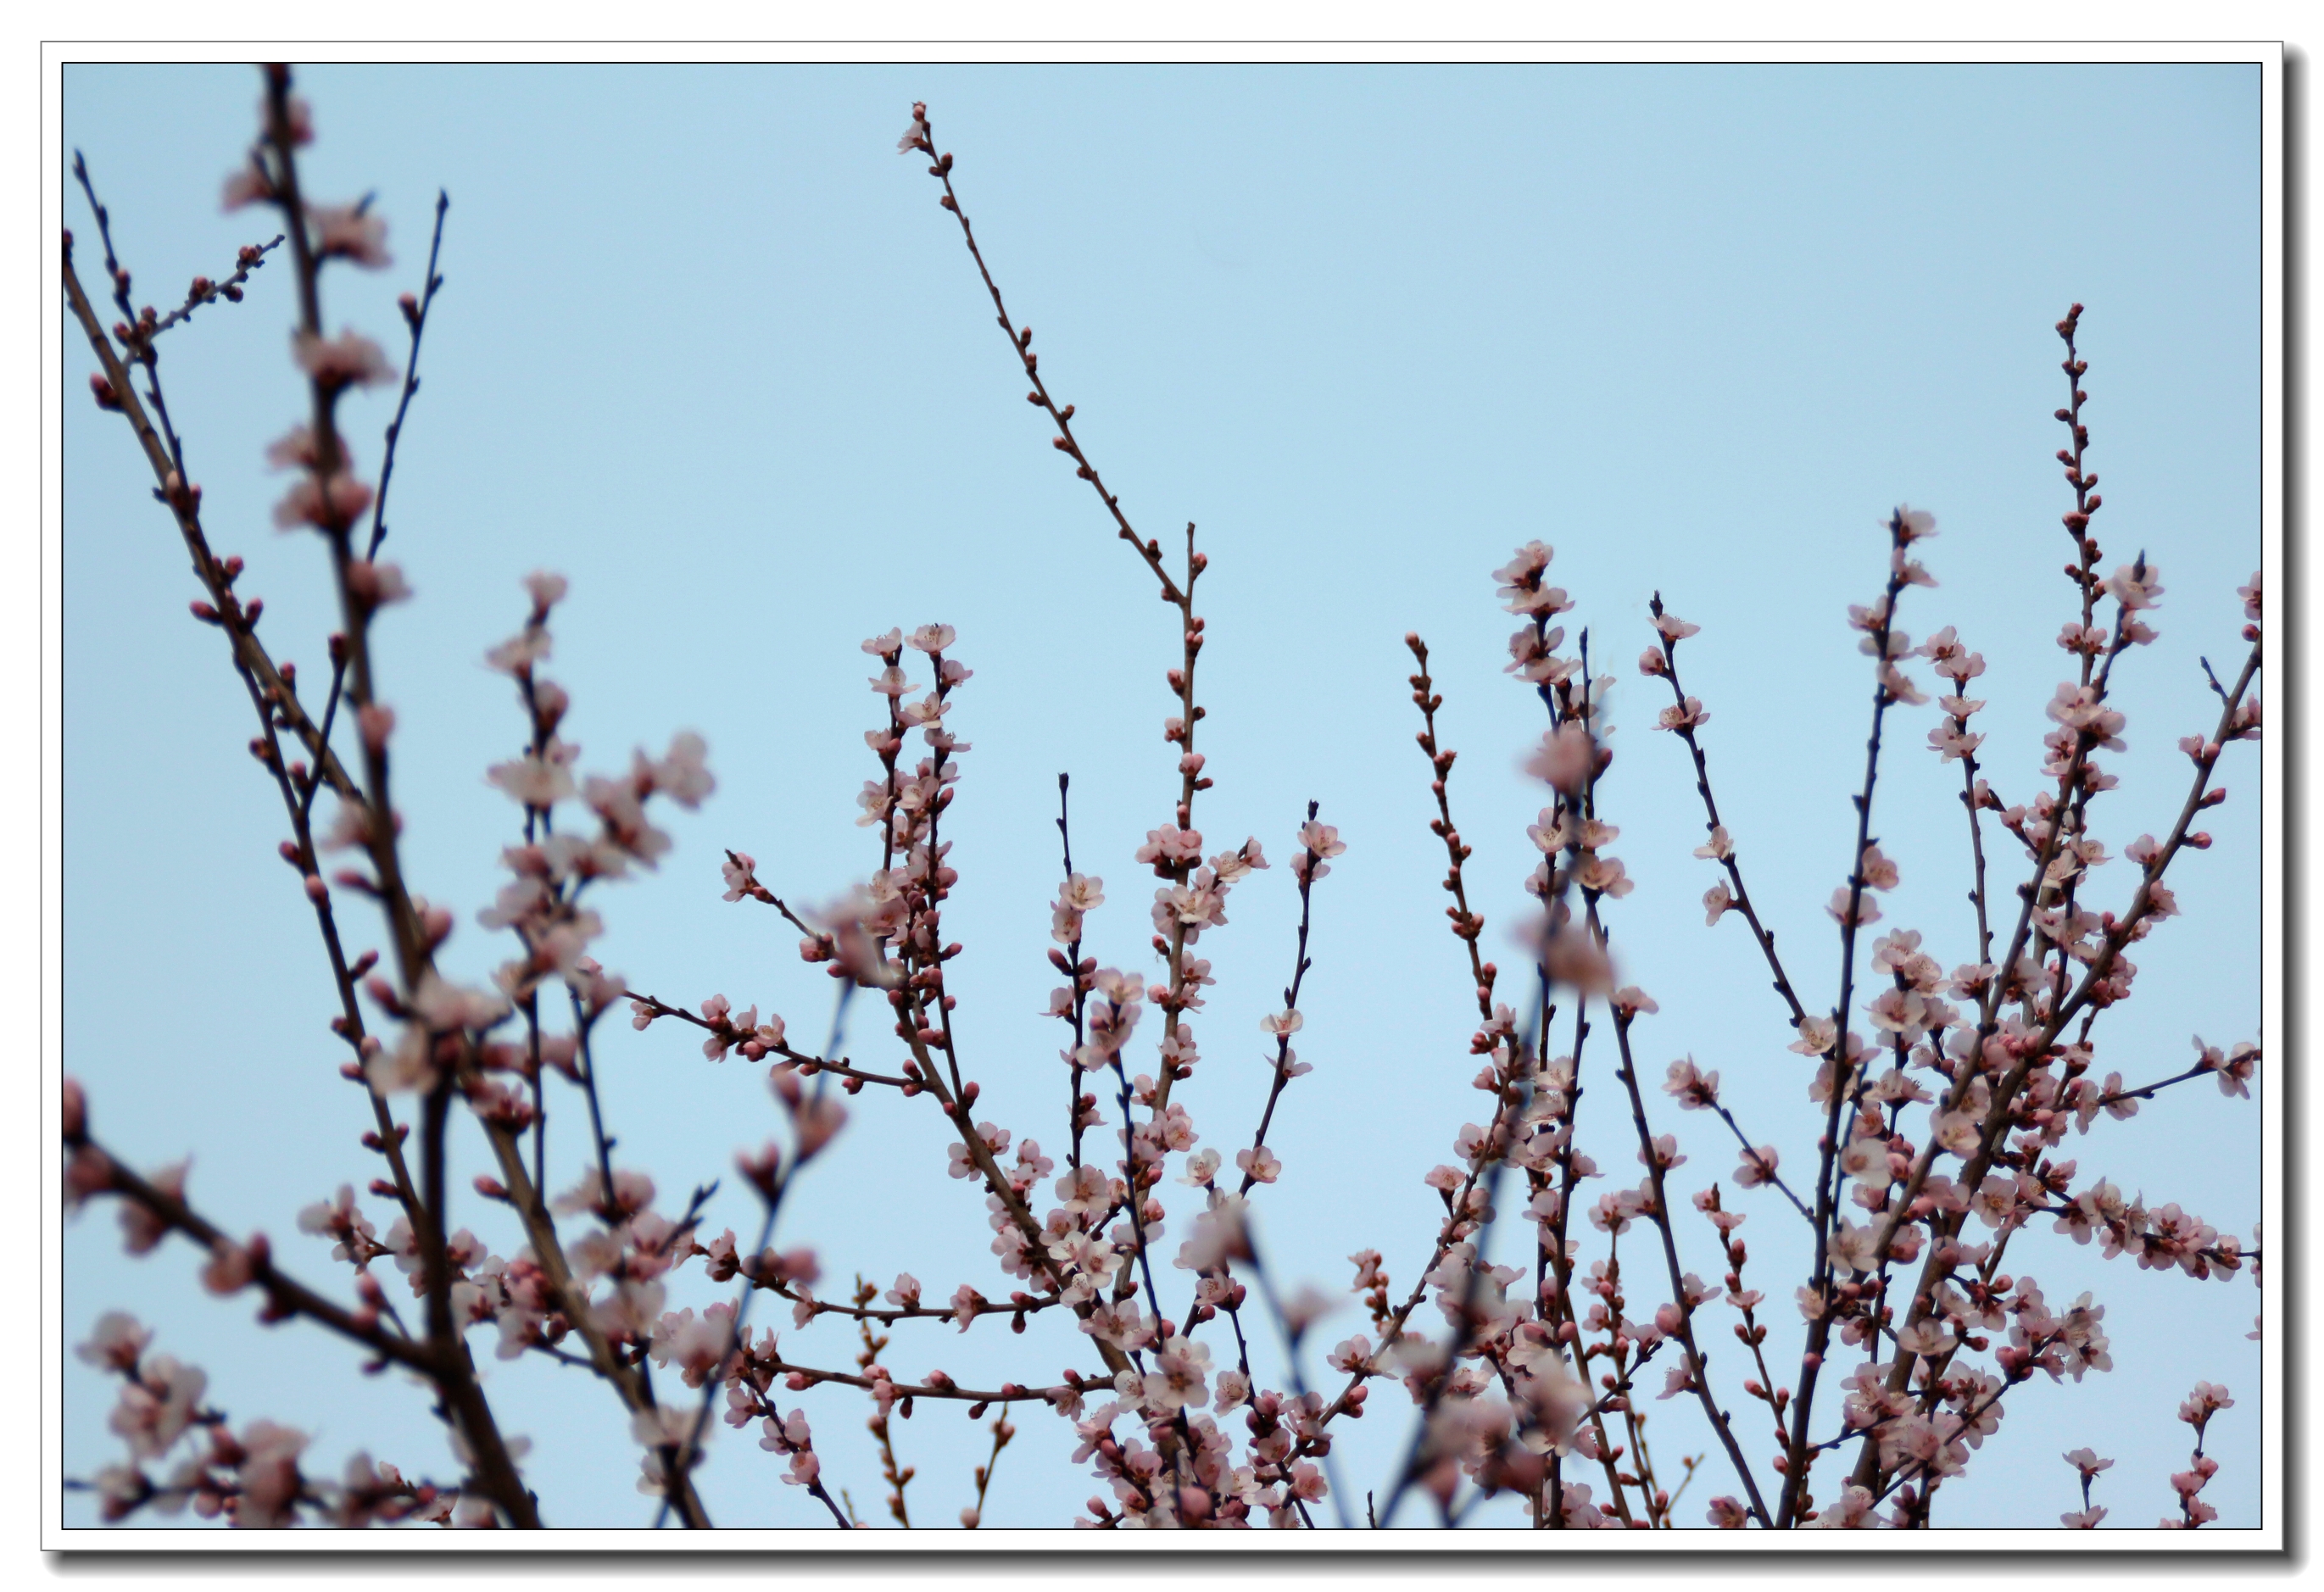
(115, 1343)
(141, 1229)
(1716, 901)
(1323, 838)
(546, 588)
(1685, 716)
(339, 1218)
(1901, 686)
(1949, 742)
(698, 1345)
(1234, 1390)
(232, 1265)
(376, 585)
(536, 779)
(1693, 1090)
(681, 775)
(814, 1123)
(2086, 1463)
(1169, 845)
(1666, 1153)
(349, 360)
(2207, 1400)
(1567, 758)
(1603, 876)
(328, 505)
(1678, 1379)
(1631, 1000)
(518, 654)
(1877, 870)
(349, 232)
(2080, 708)
(1867, 1161)
(915, 136)
(1614, 1211)
(1258, 1163)
(269, 1468)
(1865, 911)
(2135, 586)
(248, 185)
(740, 872)
(1521, 590)
(1243, 860)
(155, 1410)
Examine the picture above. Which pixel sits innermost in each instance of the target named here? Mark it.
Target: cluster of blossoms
(1944, 1095)
(2003, 1085)
(541, 903)
(252, 1477)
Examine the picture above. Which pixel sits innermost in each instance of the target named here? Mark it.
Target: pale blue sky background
(709, 348)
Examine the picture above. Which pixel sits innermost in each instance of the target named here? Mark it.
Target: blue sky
(708, 349)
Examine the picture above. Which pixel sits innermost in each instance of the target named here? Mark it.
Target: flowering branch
(1659, 1155)
(1180, 728)
(974, 1515)
(1468, 926)
(1684, 718)
(1885, 644)
(1530, 1371)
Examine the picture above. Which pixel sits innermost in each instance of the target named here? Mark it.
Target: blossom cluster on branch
(1944, 1087)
